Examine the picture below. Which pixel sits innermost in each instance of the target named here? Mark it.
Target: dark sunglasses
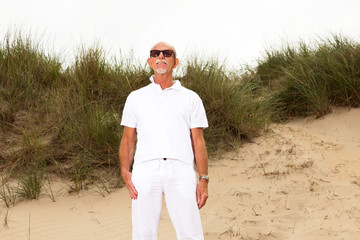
(166, 53)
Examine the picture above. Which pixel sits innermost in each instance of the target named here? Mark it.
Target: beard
(161, 70)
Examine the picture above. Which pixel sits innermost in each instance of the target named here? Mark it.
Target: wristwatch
(206, 177)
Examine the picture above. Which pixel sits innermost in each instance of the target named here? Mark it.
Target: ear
(149, 62)
(176, 63)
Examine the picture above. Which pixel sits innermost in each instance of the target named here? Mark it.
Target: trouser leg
(180, 197)
(146, 208)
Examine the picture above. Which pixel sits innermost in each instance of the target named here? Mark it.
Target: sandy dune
(300, 181)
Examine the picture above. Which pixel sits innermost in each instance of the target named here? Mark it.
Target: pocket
(143, 178)
(185, 177)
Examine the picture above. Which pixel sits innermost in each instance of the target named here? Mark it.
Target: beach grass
(6, 219)
(64, 119)
(234, 109)
(31, 184)
(8, 194)
(308, 80)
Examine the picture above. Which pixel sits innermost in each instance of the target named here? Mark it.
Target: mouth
(161, 62)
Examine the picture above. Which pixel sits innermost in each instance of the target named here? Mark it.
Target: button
(164, 159)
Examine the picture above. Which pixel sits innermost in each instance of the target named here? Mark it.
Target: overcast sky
(237, 30)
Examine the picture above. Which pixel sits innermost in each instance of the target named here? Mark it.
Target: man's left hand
(202, 193)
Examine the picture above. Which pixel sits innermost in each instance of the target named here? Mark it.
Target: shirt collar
(176, 85)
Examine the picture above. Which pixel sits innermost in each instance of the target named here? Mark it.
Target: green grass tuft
(8, 194)
(31, 184)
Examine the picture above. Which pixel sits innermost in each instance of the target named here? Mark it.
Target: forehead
(162, 46)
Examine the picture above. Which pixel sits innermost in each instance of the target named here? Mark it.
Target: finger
(134, 193)
(132, 190)
(201, 204)
(198, 196)
(203, 200)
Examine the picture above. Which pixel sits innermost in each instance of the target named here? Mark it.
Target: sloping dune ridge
(299, 181)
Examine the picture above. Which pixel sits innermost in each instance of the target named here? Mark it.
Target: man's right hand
(129, 184)
(126, 153)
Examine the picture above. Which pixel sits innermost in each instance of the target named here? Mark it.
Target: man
(168, 121)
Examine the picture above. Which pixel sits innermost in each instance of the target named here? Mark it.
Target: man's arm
(126, 153)
(201, 161)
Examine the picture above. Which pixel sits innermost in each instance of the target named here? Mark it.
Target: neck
(165, 80)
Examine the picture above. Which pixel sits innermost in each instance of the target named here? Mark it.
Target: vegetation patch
(66, 120)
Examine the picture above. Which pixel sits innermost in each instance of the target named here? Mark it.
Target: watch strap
(206, 177)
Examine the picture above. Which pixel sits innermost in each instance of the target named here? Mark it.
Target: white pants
(177, 181)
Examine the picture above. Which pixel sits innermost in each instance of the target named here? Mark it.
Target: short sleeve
(128, 116)
(198, 116)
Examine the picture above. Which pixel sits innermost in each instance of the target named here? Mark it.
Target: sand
(299, 181)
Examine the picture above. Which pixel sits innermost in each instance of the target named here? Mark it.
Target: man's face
(162, 64)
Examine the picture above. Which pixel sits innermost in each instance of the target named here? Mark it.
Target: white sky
(237, 30)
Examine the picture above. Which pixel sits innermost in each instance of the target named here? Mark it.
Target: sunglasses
(156, 53)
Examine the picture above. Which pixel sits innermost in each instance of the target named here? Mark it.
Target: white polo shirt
(163, 119)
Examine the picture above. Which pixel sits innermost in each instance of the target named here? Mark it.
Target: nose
(161, 55)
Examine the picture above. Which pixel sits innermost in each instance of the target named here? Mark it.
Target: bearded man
(168, 121)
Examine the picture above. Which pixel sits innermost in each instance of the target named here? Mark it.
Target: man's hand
(202, 193)
(129, 184)
(126, 153)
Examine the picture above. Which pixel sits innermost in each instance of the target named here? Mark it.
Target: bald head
(164, 45)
